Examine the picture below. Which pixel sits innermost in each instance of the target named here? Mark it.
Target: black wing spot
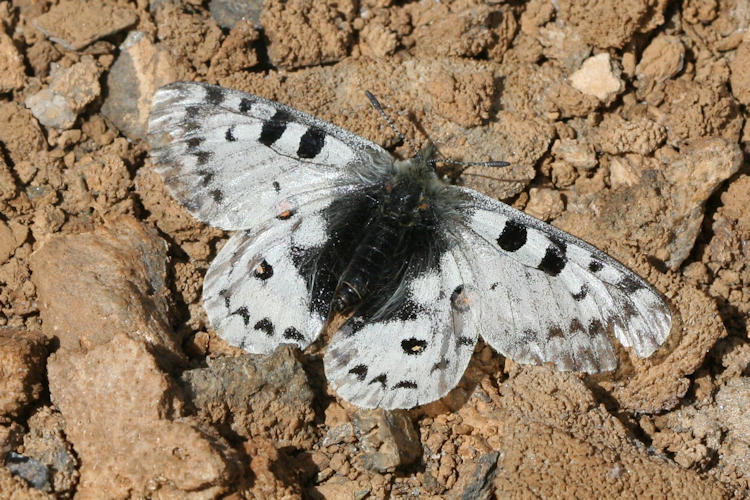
(263, 270)
(225, 293)
(206, 177)
(576, 326)
(555, 332)
(264, 326)
(381, 379)
(354, 325)
(273, 128)
(244, 313)
(192, 112)
(229, 135)
(409, 311)
(202, 157)
(595, 266)
(581, 293)
(512, 237)
(194, 142)
(440, 365)
(596, 328)
(217, 195)
(311, 143)
(276, 186)
(214, 95)
(405, 384)
(292, 333)
(245, 105)
(360, 371)
(413, 346)
(554, 258)
(465, 341)
(629, 284)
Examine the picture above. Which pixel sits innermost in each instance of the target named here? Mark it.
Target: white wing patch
(416, 357)
(547, 296)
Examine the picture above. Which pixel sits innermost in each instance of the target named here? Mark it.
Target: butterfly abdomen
(401, 220)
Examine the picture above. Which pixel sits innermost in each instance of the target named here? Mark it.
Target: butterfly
(331, 225)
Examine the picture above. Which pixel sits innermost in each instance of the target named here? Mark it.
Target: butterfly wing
(236, 161)
(416, 355)
(546, 296)
(255, 293)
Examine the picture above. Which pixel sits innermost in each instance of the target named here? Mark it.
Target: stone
(123, 416)
(598, 77)
(31, 470)
(321, 32)
(74, 24)
(475, 479)
(68, 93)
(94, 286)
(387, 438)
(227, 13)
(22, 357)
(12, 70)
(256, 396)
(140, 68)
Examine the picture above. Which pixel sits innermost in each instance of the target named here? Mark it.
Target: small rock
(475, 479)
(616, 135)
(388, 439)
(227, 13)
(75, 24)
(544, 204)
(237, 52)
(740, 76)
(322, 33)
(598, 77)
(20, 133)
(46, 443)
(578, 154)
(256, 395)
(12, 70)
(121, 414)
(22, 358)
(661, 60)
(138, 71)
(93, 286)
(701, 168)
(70, 90)
(733, 400)
(33, 471)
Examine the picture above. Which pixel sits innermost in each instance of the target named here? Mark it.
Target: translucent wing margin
(235, 160)
(546, 296)
(418, 355)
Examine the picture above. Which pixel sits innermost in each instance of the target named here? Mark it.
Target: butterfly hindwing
(416, 355)
(255, 295)
(547, 296)
(235, 160)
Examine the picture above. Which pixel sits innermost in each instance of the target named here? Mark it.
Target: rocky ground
(625, 123)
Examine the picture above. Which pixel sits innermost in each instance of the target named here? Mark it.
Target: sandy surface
(626, 126)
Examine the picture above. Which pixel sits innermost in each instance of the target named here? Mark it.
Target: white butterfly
(330, 223)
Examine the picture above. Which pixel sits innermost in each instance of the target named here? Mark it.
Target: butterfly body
(328, 222)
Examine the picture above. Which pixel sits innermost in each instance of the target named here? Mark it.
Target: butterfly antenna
(466, 164)
(376, 104)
